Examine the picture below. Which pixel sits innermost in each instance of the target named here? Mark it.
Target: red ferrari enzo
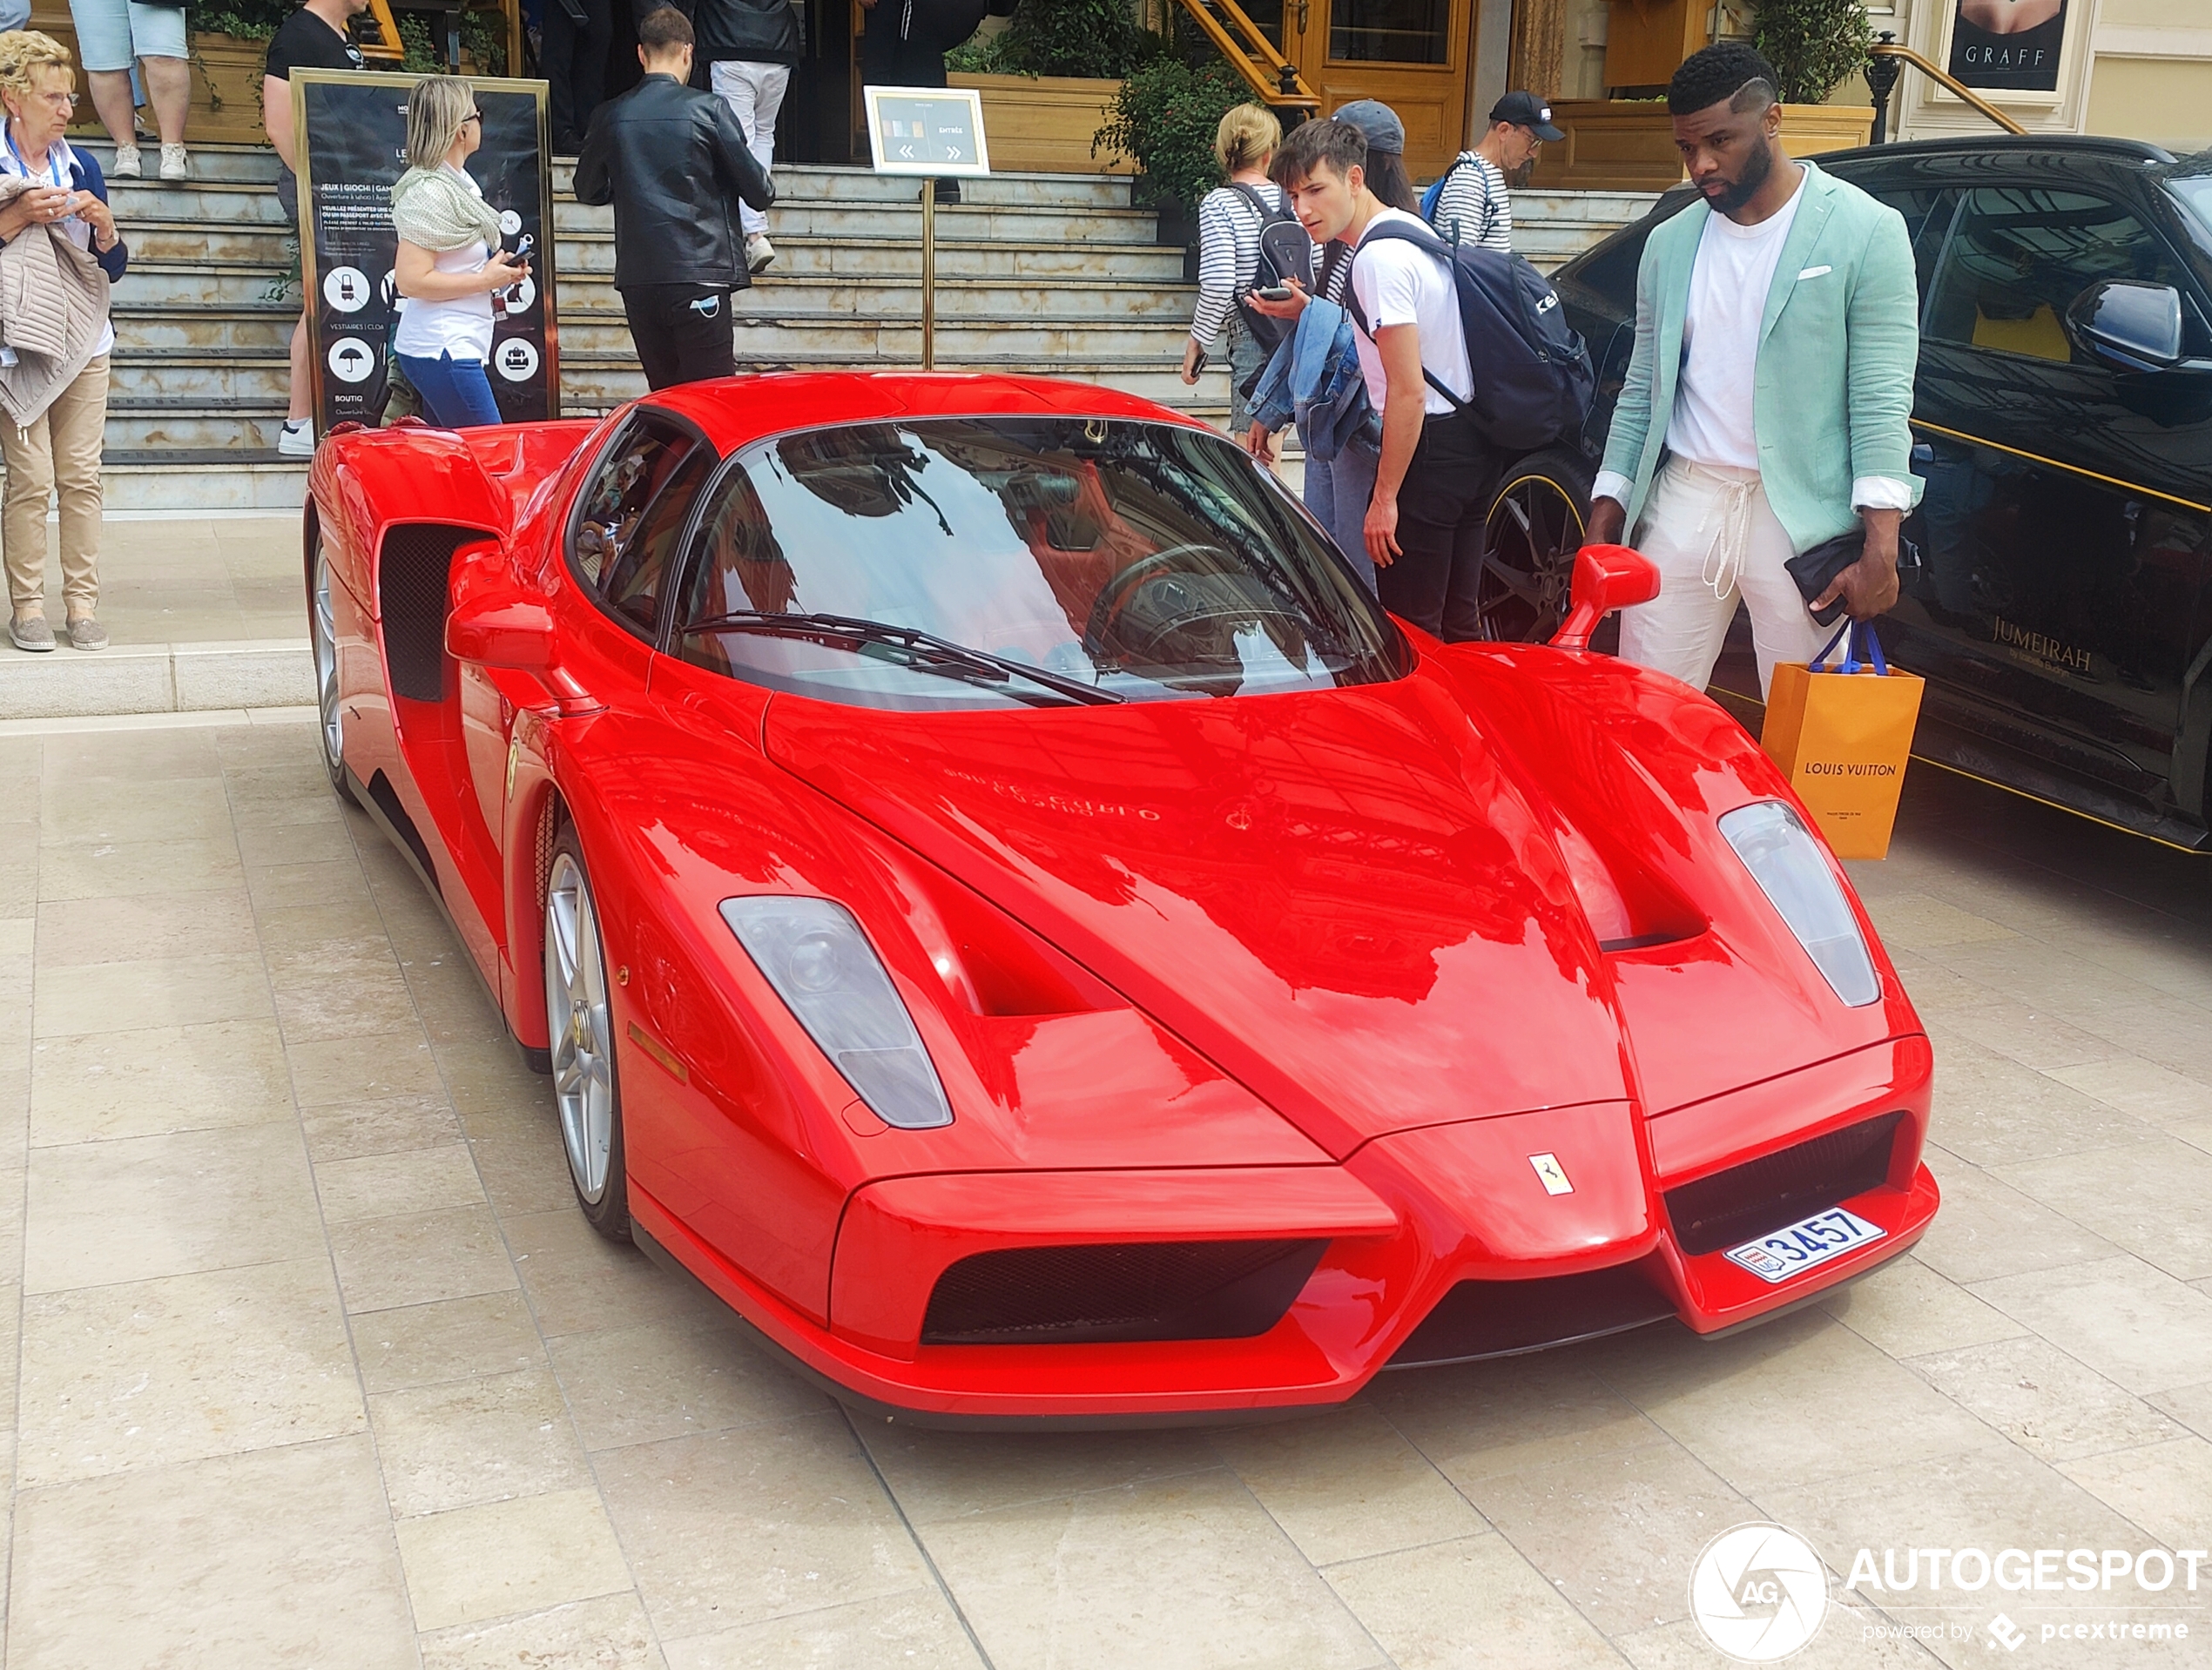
(1003, 908)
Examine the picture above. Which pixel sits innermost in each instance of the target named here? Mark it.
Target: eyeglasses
(60, 101)
(474, 116)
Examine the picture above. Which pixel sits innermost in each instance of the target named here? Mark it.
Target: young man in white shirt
(1475, 206)
(1436, 478)
(1767, 401)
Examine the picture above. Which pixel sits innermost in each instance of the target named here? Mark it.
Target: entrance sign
(353, 149)
(931, 131)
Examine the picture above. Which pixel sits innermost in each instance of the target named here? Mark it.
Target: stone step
(189, 287)
(214, 479)
(253, 165)
(245, 204)
(159, 679)
(815, 180)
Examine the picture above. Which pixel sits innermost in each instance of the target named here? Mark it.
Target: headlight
(1793, 873)
(822, 965)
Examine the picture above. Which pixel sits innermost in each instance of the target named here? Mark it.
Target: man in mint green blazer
(1766, 403)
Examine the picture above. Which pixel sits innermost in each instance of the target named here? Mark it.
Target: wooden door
(1413, 55)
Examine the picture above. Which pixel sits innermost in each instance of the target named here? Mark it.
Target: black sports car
(2063, 420)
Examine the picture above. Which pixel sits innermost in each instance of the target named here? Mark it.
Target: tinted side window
(630, 513)
(737, 567)
(1927, 216)
(2019, 256)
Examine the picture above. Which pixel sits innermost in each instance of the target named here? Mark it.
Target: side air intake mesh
(1122, 1290)
(1760, 1196)
(413, 572)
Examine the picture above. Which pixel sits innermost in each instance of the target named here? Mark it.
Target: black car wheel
(1534, 529)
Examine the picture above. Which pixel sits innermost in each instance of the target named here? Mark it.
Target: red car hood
(1342, 898)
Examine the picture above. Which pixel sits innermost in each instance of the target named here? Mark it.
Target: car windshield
(933, 562)
(2191, 181)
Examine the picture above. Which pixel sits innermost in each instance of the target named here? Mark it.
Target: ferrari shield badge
(1551, 1173)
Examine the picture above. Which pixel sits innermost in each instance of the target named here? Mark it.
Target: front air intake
(1761, 1196)
(1119, 1291)
(1478, 1319)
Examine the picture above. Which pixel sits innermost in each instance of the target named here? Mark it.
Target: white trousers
(1716, 539)
(754, 93)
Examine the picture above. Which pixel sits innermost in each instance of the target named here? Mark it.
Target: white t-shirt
(1399, 284)
(1728, 281)
(462, 326)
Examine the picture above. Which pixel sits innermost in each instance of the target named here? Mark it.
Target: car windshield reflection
(1119, 559)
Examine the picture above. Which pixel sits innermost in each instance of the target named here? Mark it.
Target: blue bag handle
(1850, 634)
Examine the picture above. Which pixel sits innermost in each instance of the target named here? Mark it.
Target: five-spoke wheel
(581, 1030)
(323, 633)
(1535, 527)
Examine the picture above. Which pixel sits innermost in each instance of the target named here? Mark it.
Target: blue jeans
(455, 392)
(1336, 493)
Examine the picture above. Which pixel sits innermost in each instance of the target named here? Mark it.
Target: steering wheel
(1155, 613)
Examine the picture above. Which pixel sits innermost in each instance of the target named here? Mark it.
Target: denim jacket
(1314, 381)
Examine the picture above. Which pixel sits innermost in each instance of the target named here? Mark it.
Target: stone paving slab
(305, 1357)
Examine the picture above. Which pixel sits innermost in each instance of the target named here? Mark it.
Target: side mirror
(2127, 325)
(1606, 577)
(492, 629)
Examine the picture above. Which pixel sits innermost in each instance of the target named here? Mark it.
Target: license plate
(1805, 1244)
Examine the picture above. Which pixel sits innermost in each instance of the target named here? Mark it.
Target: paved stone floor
(308, 1361)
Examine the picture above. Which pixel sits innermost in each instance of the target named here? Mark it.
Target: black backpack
(1267, 331)
(1533, 379)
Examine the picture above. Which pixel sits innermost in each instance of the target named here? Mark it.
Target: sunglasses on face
(474, 116)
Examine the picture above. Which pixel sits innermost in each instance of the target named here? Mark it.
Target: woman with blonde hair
(446, 267)
(1229, 219)
(60, 252)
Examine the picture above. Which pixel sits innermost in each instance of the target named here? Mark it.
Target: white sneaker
(128, 164)
(176, 162)
(298, 438)
(758, 251)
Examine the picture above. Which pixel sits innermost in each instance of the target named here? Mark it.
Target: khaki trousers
(59, 448)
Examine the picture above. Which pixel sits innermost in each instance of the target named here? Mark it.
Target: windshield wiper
(923, 651)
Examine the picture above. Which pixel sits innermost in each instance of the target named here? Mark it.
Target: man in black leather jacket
(674, 163)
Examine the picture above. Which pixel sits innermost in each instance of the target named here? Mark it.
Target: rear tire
(322, 638)
(579, 1023)
(1534, 527)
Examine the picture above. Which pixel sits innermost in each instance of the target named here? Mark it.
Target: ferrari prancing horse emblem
(1551, 1173)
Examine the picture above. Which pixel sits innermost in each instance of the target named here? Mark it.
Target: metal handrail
(1288, 91)
(1882, 78)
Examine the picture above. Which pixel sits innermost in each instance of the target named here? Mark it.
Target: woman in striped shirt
(1229, 223)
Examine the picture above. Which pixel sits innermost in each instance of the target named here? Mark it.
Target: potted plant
(1047, 79)
(1162, 123)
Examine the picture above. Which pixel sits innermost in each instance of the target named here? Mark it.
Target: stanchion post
(928, 273)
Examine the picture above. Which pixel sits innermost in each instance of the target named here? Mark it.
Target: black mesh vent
(1479, 1319)
(412, 578)
(1760, 1196)
(1123, 1290)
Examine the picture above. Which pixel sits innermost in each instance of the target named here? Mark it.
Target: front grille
(1479, 1319)
(1761, 1196)
(1119, 1291)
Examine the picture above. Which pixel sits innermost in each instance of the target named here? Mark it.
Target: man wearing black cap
(1475, 206)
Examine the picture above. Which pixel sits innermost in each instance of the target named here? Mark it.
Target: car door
(2062, 574)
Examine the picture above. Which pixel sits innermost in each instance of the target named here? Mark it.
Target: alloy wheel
(1527, 561)
(576, 1019)
(324, 623)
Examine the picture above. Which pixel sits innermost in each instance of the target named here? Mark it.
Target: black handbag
(1816, 570)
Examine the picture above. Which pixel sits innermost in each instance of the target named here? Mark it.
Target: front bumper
(1417, 1225)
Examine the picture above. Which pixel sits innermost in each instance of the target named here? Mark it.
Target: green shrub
(1058, 37)
(1163, 120)
(1815, 44)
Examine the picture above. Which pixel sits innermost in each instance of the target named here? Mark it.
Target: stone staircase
(1051, 274)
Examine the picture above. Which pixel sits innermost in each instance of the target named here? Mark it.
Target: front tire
(1534, 527)
(579, 1023)
(322, 637)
